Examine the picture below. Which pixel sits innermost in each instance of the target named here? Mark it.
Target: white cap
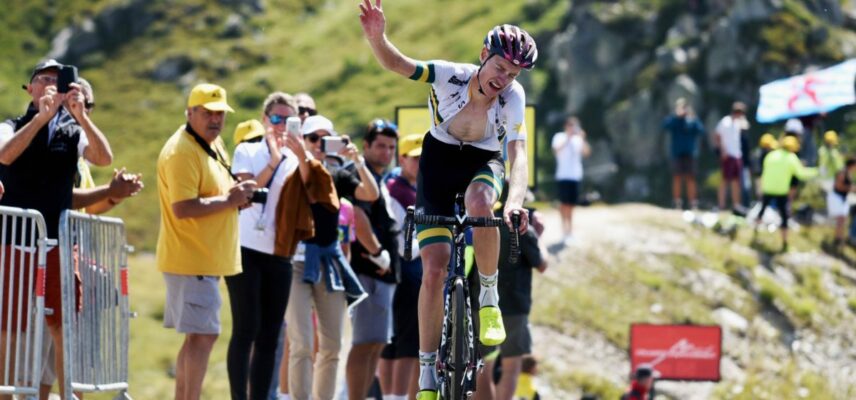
(794, 126)
(318, 123)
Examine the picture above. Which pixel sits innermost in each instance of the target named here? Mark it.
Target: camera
(259, 195)
(67, 76)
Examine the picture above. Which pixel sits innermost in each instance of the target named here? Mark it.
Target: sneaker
(491, 330)
(426, 395)
(568, 241)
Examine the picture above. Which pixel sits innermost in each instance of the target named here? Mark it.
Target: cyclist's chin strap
(478, 73)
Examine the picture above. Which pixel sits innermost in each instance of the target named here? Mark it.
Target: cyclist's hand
(372, 19)
(524, 218)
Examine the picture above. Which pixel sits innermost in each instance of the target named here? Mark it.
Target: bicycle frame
(457, 366)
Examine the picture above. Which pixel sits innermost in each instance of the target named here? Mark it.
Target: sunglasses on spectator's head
(379, 125)
(307, 110)
(277, 119)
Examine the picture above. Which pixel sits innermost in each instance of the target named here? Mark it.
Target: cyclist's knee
(480, 204)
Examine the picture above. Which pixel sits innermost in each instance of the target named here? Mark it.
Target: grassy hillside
(312, 46)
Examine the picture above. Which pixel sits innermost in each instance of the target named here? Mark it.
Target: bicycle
(458, 359)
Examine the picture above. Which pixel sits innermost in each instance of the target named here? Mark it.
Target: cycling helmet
(513, 44)
(831, 138)
(768, 141)
(791, 143)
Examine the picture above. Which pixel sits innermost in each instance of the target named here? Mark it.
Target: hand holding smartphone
(67, 76)
(292, 126)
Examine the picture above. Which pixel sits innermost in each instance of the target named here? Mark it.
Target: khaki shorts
(192, 304)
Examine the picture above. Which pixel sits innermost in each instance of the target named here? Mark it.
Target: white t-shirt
(729, 130)
(569, 160)
(252, 158)
(449, 94)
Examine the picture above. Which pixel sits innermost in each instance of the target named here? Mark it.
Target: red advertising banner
(677, 352)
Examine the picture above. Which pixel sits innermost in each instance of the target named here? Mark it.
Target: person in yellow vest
(526, 389)
(830, 160)
(780, 167)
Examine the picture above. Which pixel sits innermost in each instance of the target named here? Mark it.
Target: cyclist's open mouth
(494, 86)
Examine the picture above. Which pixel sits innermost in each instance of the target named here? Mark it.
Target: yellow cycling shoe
(426, 395)
(491, 330)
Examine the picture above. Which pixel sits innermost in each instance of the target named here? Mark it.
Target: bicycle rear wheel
(459, 345)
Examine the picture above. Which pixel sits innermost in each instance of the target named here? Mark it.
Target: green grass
(153, 348)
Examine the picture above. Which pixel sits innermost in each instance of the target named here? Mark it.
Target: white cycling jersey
(449, 94)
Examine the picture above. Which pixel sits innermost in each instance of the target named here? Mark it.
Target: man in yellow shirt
(198, 240)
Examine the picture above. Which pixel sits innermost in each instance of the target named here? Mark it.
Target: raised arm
(389, 57)
(11, 147)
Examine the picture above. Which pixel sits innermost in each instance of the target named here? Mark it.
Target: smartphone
(292, 126)
(333, 144)
(67, 76)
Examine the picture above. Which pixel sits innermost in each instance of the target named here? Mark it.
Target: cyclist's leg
(482, 193)
(438, 183)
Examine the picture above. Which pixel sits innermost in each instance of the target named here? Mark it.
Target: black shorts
(446, 170)
(405, 323)
(782, 206)
(569, 192)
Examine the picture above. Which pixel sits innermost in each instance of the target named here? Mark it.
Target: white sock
(395, 397)
(427, 370)
(488, 296)
(283, 396)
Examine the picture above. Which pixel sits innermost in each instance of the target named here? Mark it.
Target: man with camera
(198, 240)
(376, 261)
(38, 163)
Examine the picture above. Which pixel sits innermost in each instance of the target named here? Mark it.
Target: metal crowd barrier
(96, 356)
(22, 289)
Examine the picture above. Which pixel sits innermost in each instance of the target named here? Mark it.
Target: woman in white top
(569, 147)
(259, 294)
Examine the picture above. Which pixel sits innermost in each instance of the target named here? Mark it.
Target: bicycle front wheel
(459, 344)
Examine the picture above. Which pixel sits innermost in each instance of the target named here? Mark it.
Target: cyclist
(474, 109)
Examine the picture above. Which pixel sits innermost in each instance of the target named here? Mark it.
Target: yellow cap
(831, 137)
(247, 130)
(768, 141)
(411, 145)
(210, 96)
(791, 143)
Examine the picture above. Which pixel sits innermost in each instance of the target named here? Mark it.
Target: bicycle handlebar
(412, 218)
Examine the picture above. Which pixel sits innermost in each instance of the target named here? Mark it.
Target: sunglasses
(277, 119)
(380, 125)
(307, 110)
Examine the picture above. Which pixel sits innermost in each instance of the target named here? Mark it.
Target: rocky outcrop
(621, 66)
(109, 29)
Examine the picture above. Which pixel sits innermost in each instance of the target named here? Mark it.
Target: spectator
(328, 291)
(830, 160)
(92, 199)
(766, 144)
(685, 129)
(727, 139)
(198, 240)
(781, 166)
(642, 385)
(249, 131)
(305, 105)
(569, 147)
(399, 366)
(376, 262)
(259, 294)
(38, 162)
(526, 389)
(515, 302)
(836, 199)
